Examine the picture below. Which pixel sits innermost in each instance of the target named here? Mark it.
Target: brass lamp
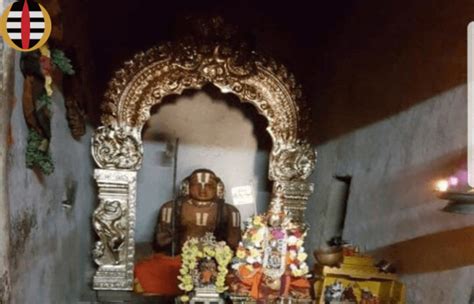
(459, 201)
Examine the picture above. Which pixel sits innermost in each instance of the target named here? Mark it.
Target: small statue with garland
(270, 262)
(204, 269)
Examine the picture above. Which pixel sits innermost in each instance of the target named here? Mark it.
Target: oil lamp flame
(442, 185)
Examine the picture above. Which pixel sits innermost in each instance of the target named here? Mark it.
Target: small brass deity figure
(200, 209)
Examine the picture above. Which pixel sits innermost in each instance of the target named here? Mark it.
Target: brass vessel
(329, 256)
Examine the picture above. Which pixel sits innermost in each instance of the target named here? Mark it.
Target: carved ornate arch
(143, 82)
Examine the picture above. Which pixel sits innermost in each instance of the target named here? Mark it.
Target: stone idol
(200, 209)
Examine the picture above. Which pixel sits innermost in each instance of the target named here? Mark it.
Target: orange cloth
(158, 274)
(255, 291)
(254, 280)
(206, 277)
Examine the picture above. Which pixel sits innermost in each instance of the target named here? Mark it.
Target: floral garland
(195, 249)
(250, 252)
(38, 68)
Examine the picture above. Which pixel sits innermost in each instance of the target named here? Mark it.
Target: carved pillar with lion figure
(118, 154)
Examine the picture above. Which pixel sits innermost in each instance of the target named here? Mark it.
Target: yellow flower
(44, 50)
(257, 220)
(184, 298)
(209, 251)
(254, 252)
(304, 268)
(297, 272)
(258, 236)
(220, 281)
(302, 256)
(241, 254)
(184, 270)
(221, 289)
(48, 82)
(186, 279)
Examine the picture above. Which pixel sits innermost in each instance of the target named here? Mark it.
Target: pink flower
(278, 234)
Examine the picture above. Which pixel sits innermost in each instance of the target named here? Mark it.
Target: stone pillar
(118, 153)
(291, 164)
(296, 194)
(114, 223)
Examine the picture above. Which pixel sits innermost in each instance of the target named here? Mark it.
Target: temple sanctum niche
(236, 152)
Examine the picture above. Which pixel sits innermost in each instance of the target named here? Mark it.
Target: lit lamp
(459, 202)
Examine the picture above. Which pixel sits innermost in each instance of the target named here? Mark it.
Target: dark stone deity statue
(200, 209)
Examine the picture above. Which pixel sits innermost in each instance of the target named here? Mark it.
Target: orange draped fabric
(254, 279)
(158, 275)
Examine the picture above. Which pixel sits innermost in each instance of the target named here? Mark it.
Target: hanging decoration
(41, 69)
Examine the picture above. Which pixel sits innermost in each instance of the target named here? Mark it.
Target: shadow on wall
(394, 165)
(216, 131)
(432, 253)
(387, 57)
(404, 204)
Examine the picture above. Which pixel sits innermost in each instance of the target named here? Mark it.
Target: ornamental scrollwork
(116, 148)
(194, 61)
(110, 223)
(292, 161)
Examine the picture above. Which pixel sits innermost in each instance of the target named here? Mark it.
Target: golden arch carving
(169, 69)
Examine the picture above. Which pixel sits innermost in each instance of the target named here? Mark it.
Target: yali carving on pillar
(110, 225)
